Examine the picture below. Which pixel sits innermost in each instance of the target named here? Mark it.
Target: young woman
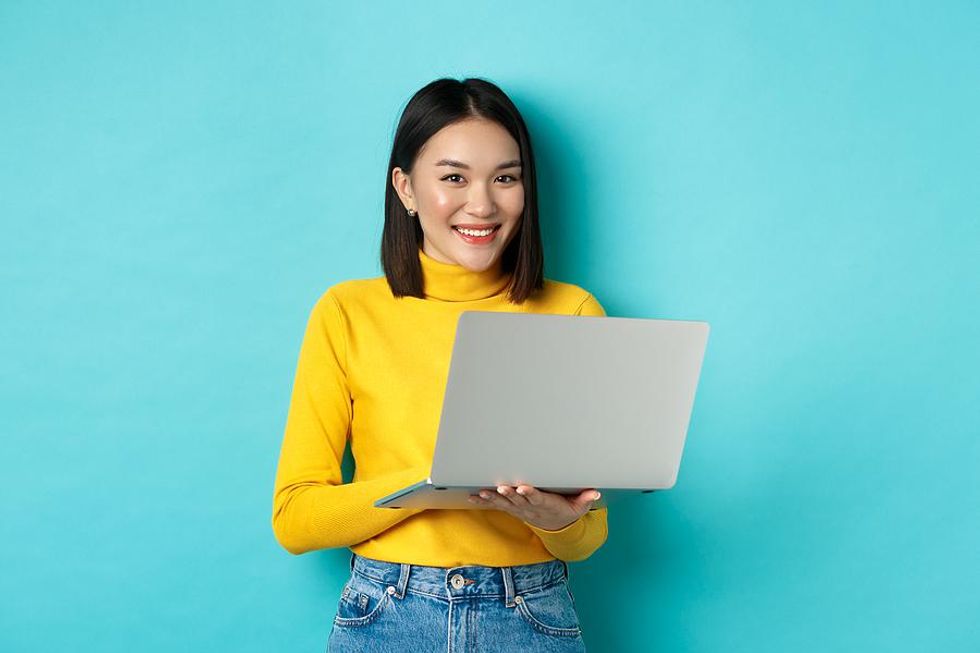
(461, 233)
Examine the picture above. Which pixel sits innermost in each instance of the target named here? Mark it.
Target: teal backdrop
(180, 181)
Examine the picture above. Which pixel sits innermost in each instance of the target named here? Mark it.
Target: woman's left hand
(547, 511)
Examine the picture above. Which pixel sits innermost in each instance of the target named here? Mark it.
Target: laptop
(562, 403)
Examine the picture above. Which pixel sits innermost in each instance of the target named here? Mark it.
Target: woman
(461, 233)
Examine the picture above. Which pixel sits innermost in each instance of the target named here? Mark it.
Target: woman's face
(466, 176)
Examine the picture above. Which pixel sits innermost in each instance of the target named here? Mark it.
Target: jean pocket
(550, 610)
(362, 601)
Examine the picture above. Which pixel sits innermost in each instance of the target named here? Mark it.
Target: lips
(475, 227)
(477, 240)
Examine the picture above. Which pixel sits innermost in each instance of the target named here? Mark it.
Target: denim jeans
(387, 606)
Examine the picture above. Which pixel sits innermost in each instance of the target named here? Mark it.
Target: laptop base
(425, 494)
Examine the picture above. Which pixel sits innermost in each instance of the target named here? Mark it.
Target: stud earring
(412, 212)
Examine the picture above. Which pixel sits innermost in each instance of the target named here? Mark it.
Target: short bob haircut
(438, 104)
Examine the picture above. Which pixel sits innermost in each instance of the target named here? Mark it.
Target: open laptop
(562, 403)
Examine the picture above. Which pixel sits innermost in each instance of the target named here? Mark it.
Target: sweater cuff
(568, 535)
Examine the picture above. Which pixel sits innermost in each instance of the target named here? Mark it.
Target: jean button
(457, 581)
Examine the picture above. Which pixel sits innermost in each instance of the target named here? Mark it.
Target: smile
(477, 236)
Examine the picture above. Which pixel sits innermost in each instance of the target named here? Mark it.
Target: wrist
(552, 527)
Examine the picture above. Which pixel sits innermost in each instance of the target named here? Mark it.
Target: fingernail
(501, 489)
(595, 496)
(520, 491)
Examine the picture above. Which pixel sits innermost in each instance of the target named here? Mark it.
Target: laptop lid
(565, 402)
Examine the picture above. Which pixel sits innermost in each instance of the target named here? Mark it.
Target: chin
(478, 262)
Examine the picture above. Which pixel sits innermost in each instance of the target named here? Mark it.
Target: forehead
(475, 141)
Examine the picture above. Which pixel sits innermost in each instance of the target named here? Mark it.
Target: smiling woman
(469, 216)
(462, 158)
(461, 233)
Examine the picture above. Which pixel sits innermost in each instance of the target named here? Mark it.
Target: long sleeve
(583, 537)
(312, 507)
(578, 540)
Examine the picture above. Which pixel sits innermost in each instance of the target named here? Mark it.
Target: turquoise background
(180, 181)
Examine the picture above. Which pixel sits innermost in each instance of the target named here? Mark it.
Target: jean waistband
(456, 582)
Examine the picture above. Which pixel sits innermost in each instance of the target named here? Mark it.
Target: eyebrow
(459, 164)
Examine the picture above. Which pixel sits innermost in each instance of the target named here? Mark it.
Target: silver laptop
(562, 403)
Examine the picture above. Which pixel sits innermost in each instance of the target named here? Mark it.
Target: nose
(479, 203)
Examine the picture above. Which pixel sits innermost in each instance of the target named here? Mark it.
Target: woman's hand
(547, 511)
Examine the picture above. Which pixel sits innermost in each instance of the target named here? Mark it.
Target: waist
(443, 538)
(461, 581)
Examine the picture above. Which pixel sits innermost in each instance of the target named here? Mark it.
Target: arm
(312, 507)
(578, 540)
(574, 539)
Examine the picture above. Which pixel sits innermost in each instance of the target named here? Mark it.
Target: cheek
(513, 203)
(440, 201)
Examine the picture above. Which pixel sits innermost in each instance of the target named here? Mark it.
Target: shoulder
(567, 298)
(345, 295)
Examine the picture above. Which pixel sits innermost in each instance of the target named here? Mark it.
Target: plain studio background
(180, 181)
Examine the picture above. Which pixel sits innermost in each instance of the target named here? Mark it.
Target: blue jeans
(387, 606)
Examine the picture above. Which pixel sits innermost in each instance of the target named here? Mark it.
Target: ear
(402, 184)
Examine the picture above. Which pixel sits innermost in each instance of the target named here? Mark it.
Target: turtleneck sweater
(372, 372)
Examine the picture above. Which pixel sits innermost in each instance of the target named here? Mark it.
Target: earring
(412, 212)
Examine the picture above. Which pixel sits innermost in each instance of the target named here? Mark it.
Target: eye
(508, 179)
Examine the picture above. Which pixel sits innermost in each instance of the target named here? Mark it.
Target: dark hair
(436, 105)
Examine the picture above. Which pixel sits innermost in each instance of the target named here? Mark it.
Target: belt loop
(509, 592)
(565, 565)
(403, 580)
(352, 556)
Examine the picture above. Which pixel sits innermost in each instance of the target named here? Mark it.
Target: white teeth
(473, 232)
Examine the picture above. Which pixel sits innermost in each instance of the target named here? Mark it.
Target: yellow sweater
(372, 370)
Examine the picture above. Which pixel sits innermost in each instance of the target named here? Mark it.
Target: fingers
(491, 499)
(525, 500)
(583, 502)
(511, 494)
(533, 495)
(543, 509)
(508, 498)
